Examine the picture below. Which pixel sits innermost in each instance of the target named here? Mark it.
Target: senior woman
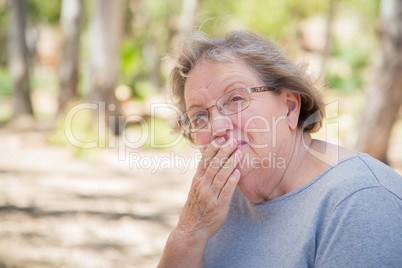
(265, 193)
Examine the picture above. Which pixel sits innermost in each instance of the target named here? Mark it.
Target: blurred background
(90, 173)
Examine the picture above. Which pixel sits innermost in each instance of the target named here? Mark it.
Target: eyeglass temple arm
(260, 89)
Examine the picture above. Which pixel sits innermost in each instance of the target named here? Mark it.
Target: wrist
(182, 250)
(188, 240)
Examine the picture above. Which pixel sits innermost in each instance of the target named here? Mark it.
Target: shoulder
(362, 171)
(366, 192)
(348, 170)
(362, 227)
(384, 175)
(351, 178)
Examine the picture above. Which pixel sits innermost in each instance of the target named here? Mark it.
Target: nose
(220, 124)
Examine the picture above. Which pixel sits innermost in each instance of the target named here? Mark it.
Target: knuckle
(201, 167)
(227, 149)
(199, 194)
(215, 163)
(228, 162)
(219, 178)
(225, 192)
(204, 160)
(195, 193)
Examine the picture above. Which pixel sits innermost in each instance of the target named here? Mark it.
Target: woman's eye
(198, 117)
(237, 98)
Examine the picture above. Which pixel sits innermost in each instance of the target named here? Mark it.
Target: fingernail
(221, 140)
(232, 143)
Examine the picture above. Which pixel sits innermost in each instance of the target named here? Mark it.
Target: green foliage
(44, 11)
(5, 91)
(5, 82)
(44, 81)
(348, 62)
(85, 141)
(38, 11)
(162, 138)
(367, 11)
(149, 28)
(3, 35)
(158, 134)
(276, 19)
(81, 132)
(280, 20)
(133, 67)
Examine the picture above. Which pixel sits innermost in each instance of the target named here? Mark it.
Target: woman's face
(262, 131)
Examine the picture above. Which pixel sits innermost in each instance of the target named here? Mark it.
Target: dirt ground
(60, 211)
(57, 210)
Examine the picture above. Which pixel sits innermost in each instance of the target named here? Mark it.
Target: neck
(283, 181)
(293, 177)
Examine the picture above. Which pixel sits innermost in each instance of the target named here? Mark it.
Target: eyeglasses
(229, 103)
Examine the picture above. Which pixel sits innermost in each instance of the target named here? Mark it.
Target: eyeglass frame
(249, 91)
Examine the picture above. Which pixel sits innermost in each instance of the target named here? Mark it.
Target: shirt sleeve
(365, 230)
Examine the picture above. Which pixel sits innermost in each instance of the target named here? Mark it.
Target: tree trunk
(18, 58)
(105, 35)
(384, 93)
(72, 17)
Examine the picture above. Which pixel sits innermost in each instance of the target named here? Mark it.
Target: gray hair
(262, 56)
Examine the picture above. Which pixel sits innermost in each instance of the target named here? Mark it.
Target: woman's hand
(207, 205)
(213, 185)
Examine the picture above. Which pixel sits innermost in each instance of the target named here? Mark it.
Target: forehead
(207, 81)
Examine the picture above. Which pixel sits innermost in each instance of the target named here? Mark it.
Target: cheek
(253, 122)
(262, 126)
(202, 139)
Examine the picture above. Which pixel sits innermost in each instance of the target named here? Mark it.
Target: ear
(293, 104)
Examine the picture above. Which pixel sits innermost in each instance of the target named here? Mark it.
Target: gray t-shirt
(348, 216)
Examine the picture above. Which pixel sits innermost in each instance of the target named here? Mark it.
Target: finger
(210, 153)
(220, 158)
(228, 189)
(225, 172)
